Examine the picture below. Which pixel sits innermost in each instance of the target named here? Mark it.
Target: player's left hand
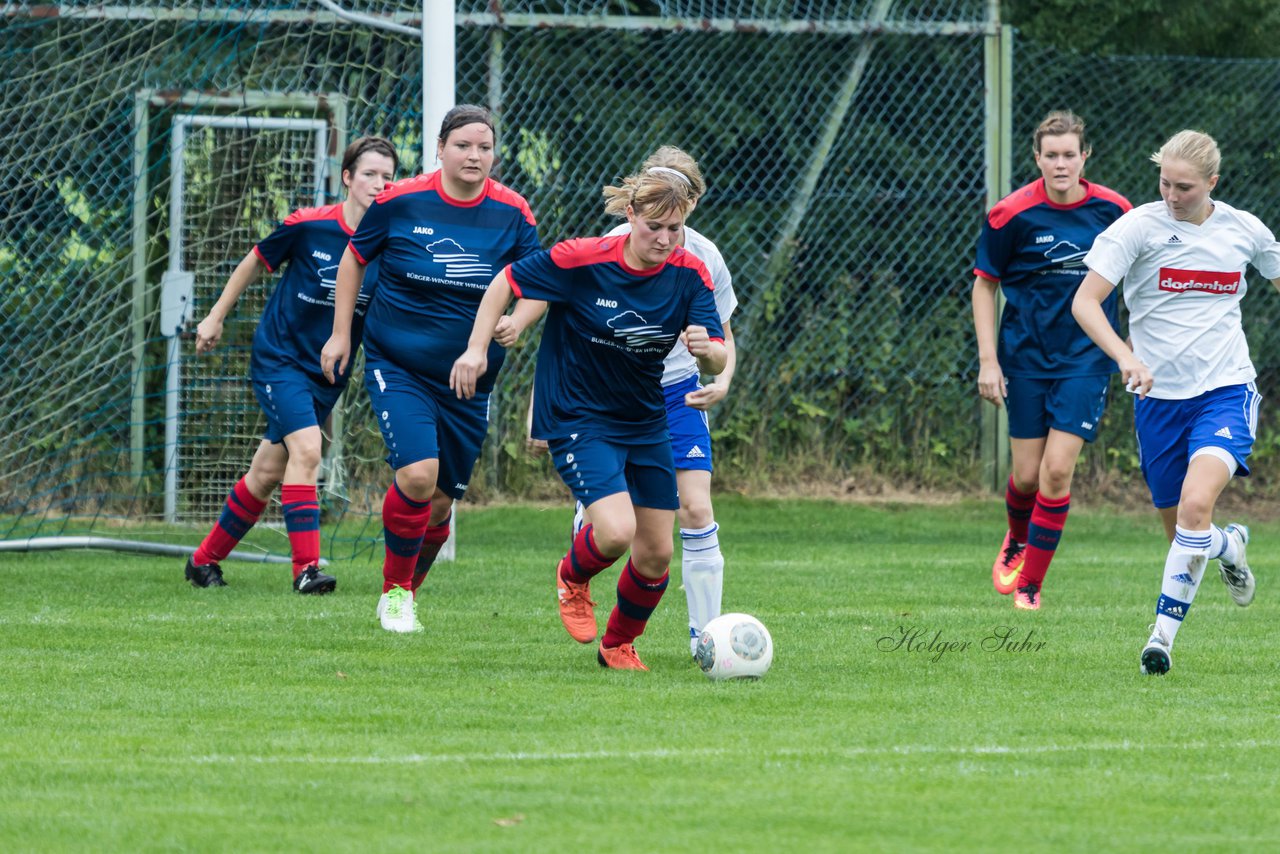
(697, 340)
(467, 369)
(706, 397)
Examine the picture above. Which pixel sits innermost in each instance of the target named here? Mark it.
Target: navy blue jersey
(1035, 249)
(298, 319)
(607, 332)
(438, 257)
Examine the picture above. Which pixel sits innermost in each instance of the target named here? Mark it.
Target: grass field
(138, 714)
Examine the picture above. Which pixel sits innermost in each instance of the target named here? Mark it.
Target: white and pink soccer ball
(734, 646)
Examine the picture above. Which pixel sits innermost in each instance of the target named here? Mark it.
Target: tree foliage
(1224, 28)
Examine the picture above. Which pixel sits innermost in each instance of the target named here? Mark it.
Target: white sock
(1223, 547)
(1183, 570)
(702, 568)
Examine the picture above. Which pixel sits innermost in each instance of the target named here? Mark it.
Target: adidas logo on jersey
(695, 453)
(1173, 241)
(1225, 433)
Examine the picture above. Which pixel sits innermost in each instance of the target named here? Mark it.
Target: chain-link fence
(843, 143)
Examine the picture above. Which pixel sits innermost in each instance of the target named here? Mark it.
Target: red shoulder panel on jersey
(312, 214)
(507, 196)
(416, 184)
(1110, 195)
(1021, 199)
(581, 251)
(682, 257)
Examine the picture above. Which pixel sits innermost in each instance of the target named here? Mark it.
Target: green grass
(138, 714)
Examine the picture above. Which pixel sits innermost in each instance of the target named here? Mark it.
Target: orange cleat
(1027, 598)
(1004, 573)
(621, 657)
(577, 611)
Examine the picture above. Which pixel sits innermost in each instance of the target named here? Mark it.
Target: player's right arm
(209, 332)
(991, 384)
(1088, 312)
(474, 361)
(337, 350)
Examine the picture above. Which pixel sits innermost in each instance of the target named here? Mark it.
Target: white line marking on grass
(783, 753)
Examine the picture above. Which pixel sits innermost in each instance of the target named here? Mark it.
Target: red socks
(432, 541)
(1047, 521)
(404, 522)
(302, 521)
(1018, 505)
(584, 561)
(240, 512)
(637, 597)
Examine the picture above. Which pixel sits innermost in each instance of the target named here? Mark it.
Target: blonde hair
(1061, 123)
(670, 157)
(1192, 147)
(653, 192)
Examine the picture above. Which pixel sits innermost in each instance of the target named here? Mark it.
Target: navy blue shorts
(1070, 405)
(594, 468)
(690, 433)
(1171, 431)
(423, 419)
(293, 402)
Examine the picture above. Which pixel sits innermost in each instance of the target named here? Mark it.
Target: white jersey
(680, 364)
(1182, 285)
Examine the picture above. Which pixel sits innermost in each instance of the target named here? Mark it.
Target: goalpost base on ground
(43, 544)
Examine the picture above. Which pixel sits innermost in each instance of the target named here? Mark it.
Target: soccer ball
(734, 646)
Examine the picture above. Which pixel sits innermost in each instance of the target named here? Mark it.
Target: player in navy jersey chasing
(618, 305)
(293, 394)
(1183, 262)
(1043, 367)
(687, 403)
(439, 239)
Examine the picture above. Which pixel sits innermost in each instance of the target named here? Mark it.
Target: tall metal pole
(439, 82)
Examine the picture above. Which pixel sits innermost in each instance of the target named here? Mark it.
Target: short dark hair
(462, 115)
(363, 146)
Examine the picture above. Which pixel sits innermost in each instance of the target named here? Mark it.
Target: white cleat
(397, 611)
(1237, 577)
(1157, 655)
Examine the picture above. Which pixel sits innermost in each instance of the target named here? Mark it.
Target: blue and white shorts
(593, 468)
(423, 419)
(1068, 404)
(1170, 432)
(690, 433)
(293, 402)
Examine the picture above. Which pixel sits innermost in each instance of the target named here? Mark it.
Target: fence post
(999, 121)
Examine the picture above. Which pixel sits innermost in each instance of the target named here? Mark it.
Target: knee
(417, 480)
(1055, 477)
(652, 557)
(1195, 510)
(305, 457)
(613, 536)
(696, 514)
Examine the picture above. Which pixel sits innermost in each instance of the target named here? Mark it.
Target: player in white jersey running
(701, 562)
(1183, 262)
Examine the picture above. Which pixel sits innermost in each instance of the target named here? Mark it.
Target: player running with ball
(618, 304)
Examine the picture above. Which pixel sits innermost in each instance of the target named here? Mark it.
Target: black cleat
(311, 580)
(205, 575)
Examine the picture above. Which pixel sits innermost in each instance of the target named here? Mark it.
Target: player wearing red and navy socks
(285, 368)
(1042, 367)
(618, 304)
(1183, 263)
(440, 238)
